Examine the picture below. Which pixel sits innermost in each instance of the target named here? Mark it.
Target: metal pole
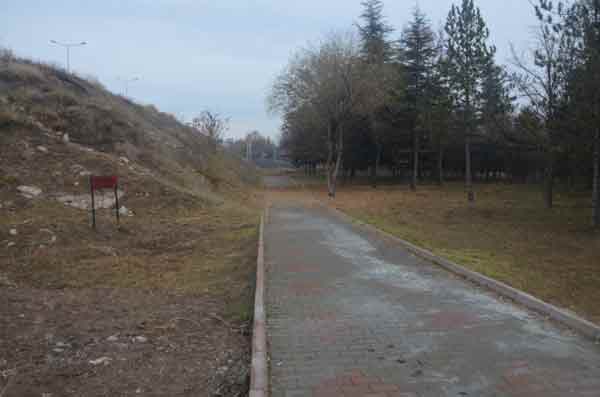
(93, 204)
(117, 203)
(67, 47)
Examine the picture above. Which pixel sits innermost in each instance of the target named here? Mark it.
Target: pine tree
(417, 54)
(468, 56)
(583, 26)
(377, 52)
(374, 33)
(496, 101)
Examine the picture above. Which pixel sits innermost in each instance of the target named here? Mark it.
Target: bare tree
(332, 83)
(543, 83)
(211, 124)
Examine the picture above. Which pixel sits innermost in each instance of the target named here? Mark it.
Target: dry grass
(180, 271)
(507, 234)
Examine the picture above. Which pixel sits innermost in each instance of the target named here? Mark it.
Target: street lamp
(68, 47)
(127, 81)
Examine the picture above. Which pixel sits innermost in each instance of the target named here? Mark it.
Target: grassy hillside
(158, 306)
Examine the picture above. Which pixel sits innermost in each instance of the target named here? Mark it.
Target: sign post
(104, 182)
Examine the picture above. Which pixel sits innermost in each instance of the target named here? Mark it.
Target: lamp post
(127, 81)
(68, 47)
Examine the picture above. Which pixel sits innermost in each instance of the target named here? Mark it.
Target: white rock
(11, 244)
(51, 233)
(13, 232)
(65, 138)
(42, 149)
(140, 339)
(104, 199)
(123, 211)
(29, 191)
(124, 160)
(101, 360)
(113, 338)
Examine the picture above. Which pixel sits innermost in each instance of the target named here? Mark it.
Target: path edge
(585, 327)
(259, 385)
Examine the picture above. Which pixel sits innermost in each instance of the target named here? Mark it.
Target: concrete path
(352, 315)
(277, 181)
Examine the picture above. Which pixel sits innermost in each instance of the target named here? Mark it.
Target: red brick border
(586, 328)
(259, 381)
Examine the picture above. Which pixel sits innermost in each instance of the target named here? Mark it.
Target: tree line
(427, 104)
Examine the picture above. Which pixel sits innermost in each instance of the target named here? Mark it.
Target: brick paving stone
(349, 314)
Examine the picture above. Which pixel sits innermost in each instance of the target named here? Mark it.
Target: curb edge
(259, 385)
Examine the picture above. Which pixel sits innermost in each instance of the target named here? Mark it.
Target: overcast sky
(216, 54)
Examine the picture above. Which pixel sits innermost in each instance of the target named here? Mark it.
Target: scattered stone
(101, 361)
(42, 149)
(29, 191)
(11, 244)
(113, 338)
(13, 232)
(140, 339)
(123, 211)
(62, 344)
(58, 350)
(80, 170)
(65, 138)
(124, 160)
(52, 239)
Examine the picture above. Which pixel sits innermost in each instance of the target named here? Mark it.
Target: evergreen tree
(468, 56)
(417, 55)
(496, 101)
(374, 33)
(377, 52)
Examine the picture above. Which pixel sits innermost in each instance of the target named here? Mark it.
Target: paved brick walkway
(352, 315)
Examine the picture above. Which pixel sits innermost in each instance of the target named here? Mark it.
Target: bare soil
(160, 306)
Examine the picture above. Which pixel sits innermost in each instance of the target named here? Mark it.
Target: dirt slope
(159, 306)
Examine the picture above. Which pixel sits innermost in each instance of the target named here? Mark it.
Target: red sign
(103, 182)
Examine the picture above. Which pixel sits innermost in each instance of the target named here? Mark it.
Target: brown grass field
(507, 234)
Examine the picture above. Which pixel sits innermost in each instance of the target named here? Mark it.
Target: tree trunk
(549, 181)
(415, 174)
(440, 166)
(330, 145)
(468, 172)
(596, 181)
(375, 169)
(338, 163)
